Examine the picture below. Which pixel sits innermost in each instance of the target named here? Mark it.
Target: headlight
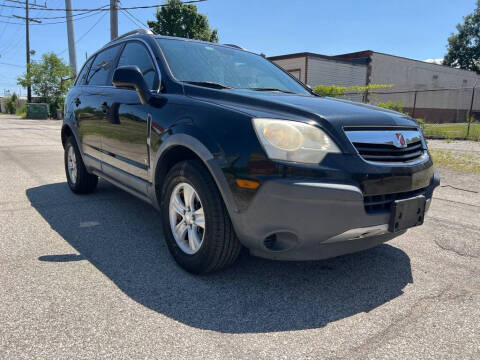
(293, 141)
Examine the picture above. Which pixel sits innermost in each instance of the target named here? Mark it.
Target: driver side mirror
(128, 77)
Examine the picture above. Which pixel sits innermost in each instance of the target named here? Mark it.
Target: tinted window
(100, 71)
(204, 62)
(82, 77)
(135, 53)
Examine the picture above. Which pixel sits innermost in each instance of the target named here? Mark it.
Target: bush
(22, 111)
(11, 104)
(57, 104)
(392, 105)
(421, 122)
(330, 90)
(340, 91)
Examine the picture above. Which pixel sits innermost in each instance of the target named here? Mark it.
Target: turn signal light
(247, 184)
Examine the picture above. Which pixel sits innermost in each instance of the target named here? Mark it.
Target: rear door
(85, 115)
(92, 107)
(126, 131)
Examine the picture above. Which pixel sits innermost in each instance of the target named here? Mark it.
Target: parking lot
(90, 277)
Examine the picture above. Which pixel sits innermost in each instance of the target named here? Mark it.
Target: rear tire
(217, 245)
(78, 178)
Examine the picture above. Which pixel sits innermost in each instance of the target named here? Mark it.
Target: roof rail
(136, 31)
(234, 46)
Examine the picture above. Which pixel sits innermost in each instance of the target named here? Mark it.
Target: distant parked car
(235, 152)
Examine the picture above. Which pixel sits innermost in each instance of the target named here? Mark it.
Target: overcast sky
(411, 28)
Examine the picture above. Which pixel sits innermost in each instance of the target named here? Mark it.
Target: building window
(295, 72)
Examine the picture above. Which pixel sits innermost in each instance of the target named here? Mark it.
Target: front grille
(376, 203)
(389, 153)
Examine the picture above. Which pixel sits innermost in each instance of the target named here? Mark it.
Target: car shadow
(122, 237)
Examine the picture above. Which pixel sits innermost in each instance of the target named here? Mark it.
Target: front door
(84, 106)
(125, 135)
(127, 124)
(90, 109)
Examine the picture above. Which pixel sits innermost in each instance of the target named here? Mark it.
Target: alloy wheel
(72, 164)
(187, 218)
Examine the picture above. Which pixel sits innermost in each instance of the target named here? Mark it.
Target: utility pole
(471, 109)
(27, 42)
(72, 51)
(113, 19)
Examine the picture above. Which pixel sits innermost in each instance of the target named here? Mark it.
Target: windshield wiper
(210, 84)
(271, 89)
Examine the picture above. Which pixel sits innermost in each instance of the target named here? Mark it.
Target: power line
(90, 12)
(8, 64)
(7, 44)
(129, 16)
(15, 42)
(60, 17)
(54, 22)
(86, 33)
(11, 23)
(130, 19)
(103, 9)
(21, 2)
(4, 26)
(137, 19)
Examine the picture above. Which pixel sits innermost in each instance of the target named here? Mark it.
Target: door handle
(105, 107)
(77, 102)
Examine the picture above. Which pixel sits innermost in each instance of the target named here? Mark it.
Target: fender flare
(73, 130)
(209, 161)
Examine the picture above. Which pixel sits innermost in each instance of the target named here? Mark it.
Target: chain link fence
(447, 113)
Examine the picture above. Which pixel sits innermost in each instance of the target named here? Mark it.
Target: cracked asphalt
(90, 277)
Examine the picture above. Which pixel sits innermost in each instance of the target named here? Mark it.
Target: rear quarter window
(82, 77)
(102, 65)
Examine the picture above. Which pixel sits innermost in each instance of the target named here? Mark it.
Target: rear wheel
(78, 178)
(197, 226)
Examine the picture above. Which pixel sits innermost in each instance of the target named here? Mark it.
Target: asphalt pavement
(90, 277)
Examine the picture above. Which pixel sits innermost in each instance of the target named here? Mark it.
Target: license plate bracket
(407, 213)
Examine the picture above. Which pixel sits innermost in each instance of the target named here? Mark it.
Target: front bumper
(307, 220)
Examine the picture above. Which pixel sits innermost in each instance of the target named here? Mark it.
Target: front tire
(78, 178)
(197, 227)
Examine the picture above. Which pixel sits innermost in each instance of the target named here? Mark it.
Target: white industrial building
(438, 93)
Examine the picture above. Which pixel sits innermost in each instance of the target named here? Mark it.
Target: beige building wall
(295, 66)
(332, 72)
(409, 74)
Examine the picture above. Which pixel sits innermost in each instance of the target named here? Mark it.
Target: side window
(135, 53)
(82, 77)
(100, 71)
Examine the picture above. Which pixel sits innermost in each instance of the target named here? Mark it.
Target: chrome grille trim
(382, 137)
(382, 146)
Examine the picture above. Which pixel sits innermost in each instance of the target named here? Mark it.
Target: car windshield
(224, 66)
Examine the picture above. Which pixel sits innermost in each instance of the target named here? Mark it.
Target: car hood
(338, 113)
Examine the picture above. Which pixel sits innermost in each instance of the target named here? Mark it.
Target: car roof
(143, 33)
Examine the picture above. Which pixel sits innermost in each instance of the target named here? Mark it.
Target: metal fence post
(470, 113)
(414, 103)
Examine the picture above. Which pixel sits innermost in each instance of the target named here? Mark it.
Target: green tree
(182, 20)
(464, 47)
(11, 104)
(50, 80)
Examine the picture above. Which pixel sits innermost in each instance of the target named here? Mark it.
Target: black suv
(236, 152)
